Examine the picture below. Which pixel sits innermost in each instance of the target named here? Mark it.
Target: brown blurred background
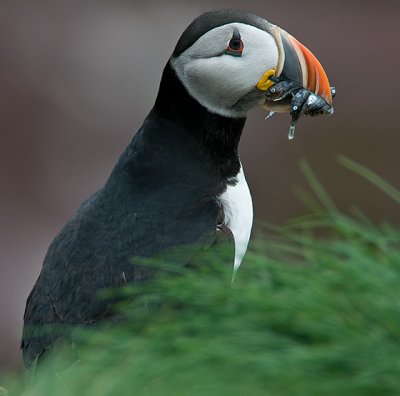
(77, 79)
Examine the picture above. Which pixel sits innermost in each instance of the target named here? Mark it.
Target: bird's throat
(217, 135)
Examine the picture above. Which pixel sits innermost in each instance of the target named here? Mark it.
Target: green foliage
(314, 310)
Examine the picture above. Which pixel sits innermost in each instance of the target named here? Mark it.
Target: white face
(223, 83)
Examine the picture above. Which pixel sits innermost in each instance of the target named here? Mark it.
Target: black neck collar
(219, 135)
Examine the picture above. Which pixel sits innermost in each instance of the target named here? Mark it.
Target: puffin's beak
(297, 63)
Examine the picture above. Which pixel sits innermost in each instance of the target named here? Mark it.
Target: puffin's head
(225, 58)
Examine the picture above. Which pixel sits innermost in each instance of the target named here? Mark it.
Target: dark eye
(235, 46)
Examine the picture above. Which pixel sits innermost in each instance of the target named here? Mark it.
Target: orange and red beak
(299, 64)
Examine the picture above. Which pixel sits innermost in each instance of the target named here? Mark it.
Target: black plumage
(161, 194)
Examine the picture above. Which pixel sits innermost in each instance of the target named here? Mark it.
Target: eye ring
(235, 46)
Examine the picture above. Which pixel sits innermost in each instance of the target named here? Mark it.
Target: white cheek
(260, 55)
(218, 82)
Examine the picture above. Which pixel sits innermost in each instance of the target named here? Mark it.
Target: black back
(161, 194)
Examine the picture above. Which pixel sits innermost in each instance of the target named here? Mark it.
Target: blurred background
(78, 78)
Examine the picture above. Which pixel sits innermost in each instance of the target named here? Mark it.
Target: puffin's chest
(238, 215)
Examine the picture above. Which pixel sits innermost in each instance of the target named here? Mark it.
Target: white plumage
(238, 210)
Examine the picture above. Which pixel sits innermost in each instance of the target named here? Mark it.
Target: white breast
(238, 210)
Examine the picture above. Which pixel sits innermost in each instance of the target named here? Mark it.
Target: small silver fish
(289, 95)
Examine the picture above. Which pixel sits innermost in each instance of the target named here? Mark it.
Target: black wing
(159, 196)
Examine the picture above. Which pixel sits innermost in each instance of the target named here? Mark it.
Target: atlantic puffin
(180, 181)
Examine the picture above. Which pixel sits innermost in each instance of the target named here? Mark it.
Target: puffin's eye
(235, 46)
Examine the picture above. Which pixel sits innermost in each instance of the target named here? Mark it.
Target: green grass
(314, 310)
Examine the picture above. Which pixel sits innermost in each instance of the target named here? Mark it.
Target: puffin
(180, 182)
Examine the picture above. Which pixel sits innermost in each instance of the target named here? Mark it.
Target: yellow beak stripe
(265, 83)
